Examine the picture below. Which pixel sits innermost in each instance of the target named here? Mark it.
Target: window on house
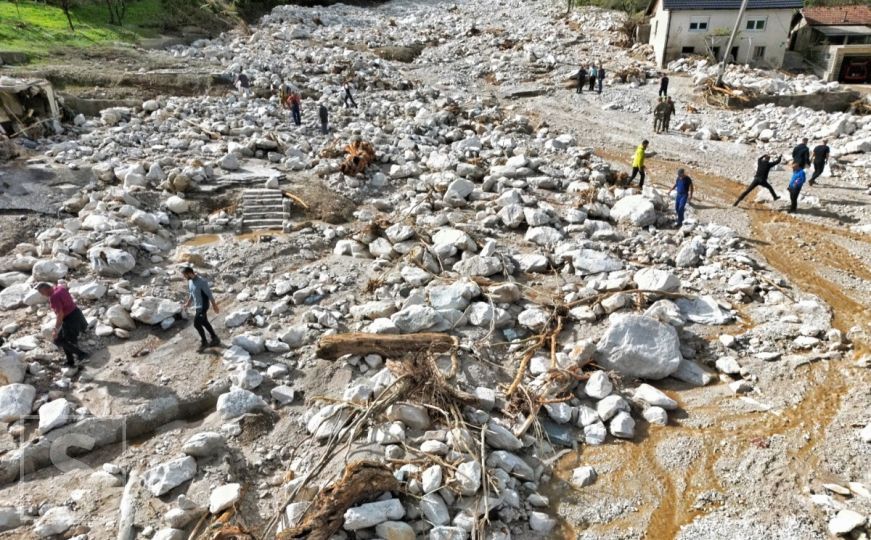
(755, 25)
(699, 24)
(758, 53)
(688, 50)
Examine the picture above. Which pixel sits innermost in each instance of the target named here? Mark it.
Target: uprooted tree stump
(360, 155)
(388, 346)
(360, 482)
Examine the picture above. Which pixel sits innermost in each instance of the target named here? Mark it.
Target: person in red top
(69, 321)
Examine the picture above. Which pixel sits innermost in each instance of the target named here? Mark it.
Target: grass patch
(40, 29)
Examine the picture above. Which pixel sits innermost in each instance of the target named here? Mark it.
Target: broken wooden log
(360, 155)
(361, 482)
(388, 346)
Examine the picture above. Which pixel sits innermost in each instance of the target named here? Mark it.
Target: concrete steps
(262, 209)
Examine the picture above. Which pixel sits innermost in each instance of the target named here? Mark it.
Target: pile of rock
(741, 77)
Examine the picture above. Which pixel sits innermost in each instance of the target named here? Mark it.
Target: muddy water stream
(660, 494)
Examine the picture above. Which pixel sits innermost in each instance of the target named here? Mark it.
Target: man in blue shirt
(683, 186)
(201, 296)
(795, 184)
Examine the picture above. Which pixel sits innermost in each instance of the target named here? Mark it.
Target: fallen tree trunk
(388, 346)
(360, 482)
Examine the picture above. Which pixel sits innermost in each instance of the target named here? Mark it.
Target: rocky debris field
(456, 352)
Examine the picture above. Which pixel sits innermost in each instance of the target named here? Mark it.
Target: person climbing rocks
(69, 321)
(349, 98)
(638, 163)
(663, 86)
(795, 184)
(801, 154)
(295, 108)
(659, 115)
(201, 296)
(600, 75)
(582, 78)
(669, 112)
(821, 157)
(683, 188)
(593, 74)
(324, 116)
(760, 179)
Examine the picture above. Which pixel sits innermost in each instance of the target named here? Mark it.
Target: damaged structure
(681, 27)
(835, 41)
(28, 107)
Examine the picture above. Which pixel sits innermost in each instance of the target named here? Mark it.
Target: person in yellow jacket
(638, 163)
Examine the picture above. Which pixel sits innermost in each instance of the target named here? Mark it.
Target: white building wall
(774, 37)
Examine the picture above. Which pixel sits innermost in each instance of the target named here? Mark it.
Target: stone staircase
(262, 209)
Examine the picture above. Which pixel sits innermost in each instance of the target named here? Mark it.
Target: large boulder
(237, 402)
(153, 310)
(110, 261)
(55, 414)
(639, 346)
(169, 475)
(118, 317)
(13, 296)
(635, 209)
(12, 369)
(16, 400)
(703, 310)
(653, 279)
(49, 270)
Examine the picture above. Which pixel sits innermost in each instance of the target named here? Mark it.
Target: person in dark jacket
(348, 97)
(821, 156)
(69, 321)
(760, 179)
(582, 78)
(201, 296)
(295, 108)
(324, 116)
(801, 154)
(600, 75)
(663, 86)
(593, 74)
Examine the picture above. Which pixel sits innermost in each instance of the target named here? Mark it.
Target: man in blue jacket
(795, 184)
(683, 186)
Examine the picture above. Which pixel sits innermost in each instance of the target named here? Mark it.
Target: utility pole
(728, 50)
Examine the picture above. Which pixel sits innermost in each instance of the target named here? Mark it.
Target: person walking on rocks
(760, 179)
(600, 75)
(821, 157)
(69, 321)
(201, 296)
(348, 97)
(638, 163)
(593, 75)
(243, 84)
(683, 188)
(795, 184)
(801, 154)
(669, 111)
(296, 108)
(582, 78)
(663, 86)
(324, 116)
(659, 115)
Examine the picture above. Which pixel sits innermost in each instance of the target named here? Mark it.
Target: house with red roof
(835, 42)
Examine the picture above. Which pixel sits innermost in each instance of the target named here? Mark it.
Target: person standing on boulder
(638, 163)
(201, 296)
(324, 116)
(348, 96)
(663, 86)
(683, 186)
(600, 75)
(69, 321)
(795, 184)
(760, 179)
(295, 108)
(582, 77)
(821, 157)
(593, 74)
(801, 154)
